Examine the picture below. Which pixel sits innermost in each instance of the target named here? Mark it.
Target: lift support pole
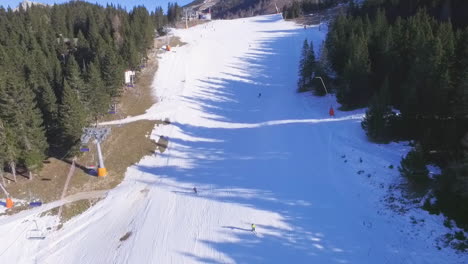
(102, 171)
(99, 134)
(9, 202)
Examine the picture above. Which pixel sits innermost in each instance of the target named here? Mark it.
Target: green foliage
(59, 67)
(111, 71)
(310, 69)
(413, 167)
(72, 117)
(298, 8)
(100, 100)
(295, 10)
(174, 12)
(239, 8)
(306, 66)
(25, 137)
(75, 81)
(379, 117)
(417, 50)
(451, 192)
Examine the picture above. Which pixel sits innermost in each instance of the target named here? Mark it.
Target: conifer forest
(61, 68)
(407, 61)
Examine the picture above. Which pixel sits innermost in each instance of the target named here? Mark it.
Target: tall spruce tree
(75, 81)
(24, 118)
(306, 67)
(99, 102)
(112, 73)
(3, 150)
(379, 117)
(303, 76)
(73, 118)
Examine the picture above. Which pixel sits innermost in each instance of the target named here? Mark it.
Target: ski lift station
(129, 77)
(206, 15)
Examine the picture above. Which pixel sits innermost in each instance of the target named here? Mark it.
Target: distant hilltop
(238, 8)
(27, 4)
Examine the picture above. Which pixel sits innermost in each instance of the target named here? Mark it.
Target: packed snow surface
(257, 152)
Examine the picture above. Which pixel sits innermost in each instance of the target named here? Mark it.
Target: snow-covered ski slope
(277, 160)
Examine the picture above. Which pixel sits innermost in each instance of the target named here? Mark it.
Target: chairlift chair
(113, 109)
(91, 166)
(84, 148)
(36, 233)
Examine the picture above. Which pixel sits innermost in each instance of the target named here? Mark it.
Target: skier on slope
(253, 227)
(195, 190)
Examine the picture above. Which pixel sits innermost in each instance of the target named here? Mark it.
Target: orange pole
(9, 203)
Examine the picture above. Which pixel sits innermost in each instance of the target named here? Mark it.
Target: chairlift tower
(99, 134)
(9, 202)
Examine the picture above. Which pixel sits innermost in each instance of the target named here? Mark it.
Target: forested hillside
(408, 61)
(61, 67)
(239, 8)
(298, 8)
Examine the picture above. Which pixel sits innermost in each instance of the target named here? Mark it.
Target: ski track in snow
(274, 160)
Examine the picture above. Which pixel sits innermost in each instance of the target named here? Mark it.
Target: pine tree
(131, 54)
(460, 106)
(47, 103)
(310, 65)
(100, 100)
(37, 64)
(355, 90)
(25, 121)
(112, 73)
(379, 117)
(3, 150)
(413, 167)
(73, 77)
(306, 67)
(72, 118)
(302, 82)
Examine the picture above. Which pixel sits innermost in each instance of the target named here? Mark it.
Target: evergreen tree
(47, 79)
(25, 119)
(73, 77)
(99, 102)
(379, 116)
(355, 90)
(303, 76)
(112, 73)
(413, 167)
(306, 67)
(72, 118)
(47, 103)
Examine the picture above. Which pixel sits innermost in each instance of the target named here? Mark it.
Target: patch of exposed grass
(73, 209)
